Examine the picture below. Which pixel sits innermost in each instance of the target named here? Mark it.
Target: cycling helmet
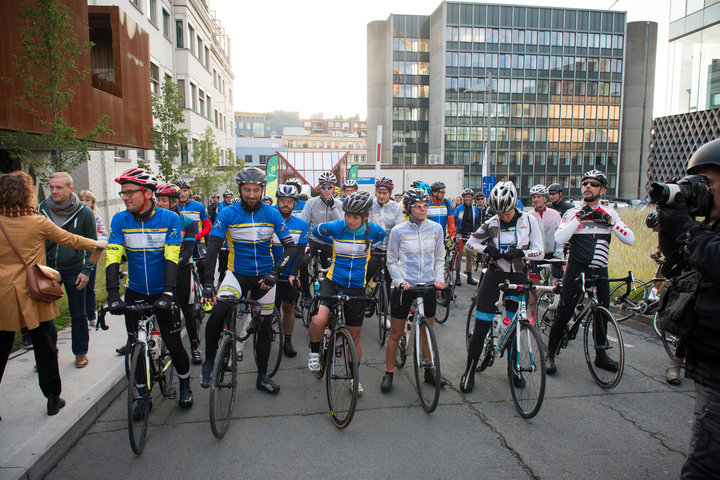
(540, 190)
(707, 154)
(182, 184)
(358, 203)
(437, 186)
(215, 195)
(138, 176)
(327, 178)
(287, 191)
(555, 187)
(228, 192)
(267, 198)
(350, 184)
(467, 191)
(503, 197)
(386, 183)
(294, 181)
(413, 196)
(251, 175)
(168, 190)
(421, 185)
(596, 175)
(652, 219)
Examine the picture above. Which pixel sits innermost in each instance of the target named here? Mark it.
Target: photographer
(695, 246)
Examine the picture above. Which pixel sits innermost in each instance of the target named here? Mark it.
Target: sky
(311, 57)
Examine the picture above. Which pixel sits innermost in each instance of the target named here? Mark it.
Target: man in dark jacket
(697, 245)
(557, 202)
(67, 211)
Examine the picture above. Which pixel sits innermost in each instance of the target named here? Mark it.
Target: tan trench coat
(28, 234)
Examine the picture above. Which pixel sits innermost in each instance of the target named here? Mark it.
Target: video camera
(695, 189)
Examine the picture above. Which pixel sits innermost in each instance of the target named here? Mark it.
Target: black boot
(387, 380)
(54, 404)
(186, 395)
(467, 381)
(550, 367)
(470, 280)
(288, 348)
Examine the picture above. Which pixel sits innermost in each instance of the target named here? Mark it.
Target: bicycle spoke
(342, 378)
(604, 349)
(526, 370)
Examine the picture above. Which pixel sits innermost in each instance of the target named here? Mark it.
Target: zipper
(420, 260)
(351, 264)
(252, 221)
(147, 285)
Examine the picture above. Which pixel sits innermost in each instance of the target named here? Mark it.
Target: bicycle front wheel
(526, 370)
(632, 304)
(383, 314)
(427, 365)
(342, 378)
(138, 399)
(277, 338)
(603, 341)
(223, 386)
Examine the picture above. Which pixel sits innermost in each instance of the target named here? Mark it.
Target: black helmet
(437, 186)
(228, 192)
(467, 191)
(287, 191)
(358, 203)
(413, 196)
(251, 175)
(182, 184)
(652, 219)
(707, 154)
(555, 187)
(596, 175)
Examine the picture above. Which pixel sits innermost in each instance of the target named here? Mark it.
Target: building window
(154, 79)
(191, 39)
(136, 3)
(207, 58)
(181, 87)
(200, 49)
(179, 34)
(141, 155)
(193, 96)
(202, 103)
(120, 154)
(102, 61)
(153, 12)
(208, 108)
(166, 23)
(183, 153)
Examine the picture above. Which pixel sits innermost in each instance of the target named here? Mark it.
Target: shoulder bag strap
(12, 245)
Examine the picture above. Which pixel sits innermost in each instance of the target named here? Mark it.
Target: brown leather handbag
(43, 282)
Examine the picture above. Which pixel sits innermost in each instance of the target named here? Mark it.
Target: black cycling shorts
(354, 309)
(284, 292)
(400, 303)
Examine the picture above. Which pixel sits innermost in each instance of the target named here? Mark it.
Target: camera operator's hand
(674, 219)
(492, 251)
(602, 217)
(584, 213)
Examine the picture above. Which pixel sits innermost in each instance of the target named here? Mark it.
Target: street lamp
(485, 88)
(402, 144)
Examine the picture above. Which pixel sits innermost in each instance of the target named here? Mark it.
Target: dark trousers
(222, 263)
(703, 460)
(182, 293)
(45, 357)
(90, 296)
(78, 312)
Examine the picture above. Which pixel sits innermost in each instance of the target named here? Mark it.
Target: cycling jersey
(589, 240)
(299, 230)
(549, 221)
(147, 245)
(298, 210)
(316, 212)
(460, 214)
(197, 212)
(248, 234)
(350, 253)
(222, 205)
(386, 216)
(416, 253)
(442, 213)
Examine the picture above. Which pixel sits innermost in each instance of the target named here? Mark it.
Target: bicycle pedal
(240, 356)
(172, 394)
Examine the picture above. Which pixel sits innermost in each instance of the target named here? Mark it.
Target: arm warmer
(188, 244)
(299, 254)
(289, 250)
(207, 226)
(170, 275)
(214, 243)
(112, 276)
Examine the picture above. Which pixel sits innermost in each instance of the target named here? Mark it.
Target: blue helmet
(421, 185)
(288, 191)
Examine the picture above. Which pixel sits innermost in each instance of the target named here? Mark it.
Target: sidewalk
(32, 442)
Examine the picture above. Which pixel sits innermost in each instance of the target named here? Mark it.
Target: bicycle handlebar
(420, 289)
(345, 297)
(232, 300)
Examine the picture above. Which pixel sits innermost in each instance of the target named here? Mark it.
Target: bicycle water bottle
(155, 342)
(316, 286)
(500, 325)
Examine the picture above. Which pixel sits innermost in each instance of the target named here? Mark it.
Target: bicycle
(379, 292)
(547, 299)
(636, 300)
(316, 274)
(150, 364)
(339, 362)
(198, 306)
(447, 295)
(277, 337)
(526, 354)
(603, 325)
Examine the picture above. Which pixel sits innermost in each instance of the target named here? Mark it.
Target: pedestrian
(89, 199)
(28, 231)
(66, 210)
(212, 208)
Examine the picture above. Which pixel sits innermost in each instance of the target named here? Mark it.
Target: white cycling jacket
(549, 222)
(416, 253)
(387, 216)
(316, 212)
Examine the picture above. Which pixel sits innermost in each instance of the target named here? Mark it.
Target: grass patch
(636, 257)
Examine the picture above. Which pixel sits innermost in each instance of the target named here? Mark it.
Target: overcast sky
(310, 56)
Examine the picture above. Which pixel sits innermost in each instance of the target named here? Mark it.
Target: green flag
(353, 172)
(272, 178)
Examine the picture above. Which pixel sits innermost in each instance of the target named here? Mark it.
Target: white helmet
(503, 197)
(540, 190)
(327, 178)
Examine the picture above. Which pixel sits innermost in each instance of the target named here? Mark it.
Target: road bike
(379, 291)
(199, 308)
(316, 274)
(601, 332)
(637, 300)
(524, 347)
(447, 295)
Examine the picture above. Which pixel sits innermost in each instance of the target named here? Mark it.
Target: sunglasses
(592, 184)
(327, 187)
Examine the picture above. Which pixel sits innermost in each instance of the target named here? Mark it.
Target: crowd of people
(253, 245)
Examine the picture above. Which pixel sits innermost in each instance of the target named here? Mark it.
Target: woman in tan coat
(28, 231)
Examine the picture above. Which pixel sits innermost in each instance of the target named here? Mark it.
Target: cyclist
(351, 239)
(588, 229)
(439, 209)
(549, 221)
(212, 207)
(555, 194)
(321, 209)
(167, 197)
(150, 238)
(287, 292)
(295, 182)
(387, 213)
(467, 220)
(267, 200)
(248, 228)
(224, 251)
(507, 239)
(197, 212)
(416, 255)
(349, 187)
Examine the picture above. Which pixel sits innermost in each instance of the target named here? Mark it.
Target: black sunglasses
(592, 184)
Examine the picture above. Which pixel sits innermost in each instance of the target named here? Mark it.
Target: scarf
(17, 211)
(59, 214)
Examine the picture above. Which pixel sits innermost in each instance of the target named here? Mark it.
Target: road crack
(656, 435)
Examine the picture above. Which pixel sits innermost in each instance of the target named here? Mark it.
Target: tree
(47, 65)
(204, 168)
(167, 138)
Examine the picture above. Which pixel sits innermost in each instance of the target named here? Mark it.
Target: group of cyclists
(265, 251)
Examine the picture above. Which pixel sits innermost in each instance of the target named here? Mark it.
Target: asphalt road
(638, 430)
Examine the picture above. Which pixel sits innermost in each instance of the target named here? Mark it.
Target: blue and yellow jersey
(299, 230)
(248, 235)
(196, 211)
(350, 253)
(297, 211)
(147, 245)
(443, 215)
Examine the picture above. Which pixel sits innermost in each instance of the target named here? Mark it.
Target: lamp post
(485, 88)
(402, 144)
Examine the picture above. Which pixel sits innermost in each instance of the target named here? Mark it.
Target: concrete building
(693, 100)
(541, 89)
(270, 124)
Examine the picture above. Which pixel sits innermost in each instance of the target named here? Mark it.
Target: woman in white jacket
(507, 239)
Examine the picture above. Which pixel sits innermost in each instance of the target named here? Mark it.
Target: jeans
(90, 296)
(78, 312)
(703, 460)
